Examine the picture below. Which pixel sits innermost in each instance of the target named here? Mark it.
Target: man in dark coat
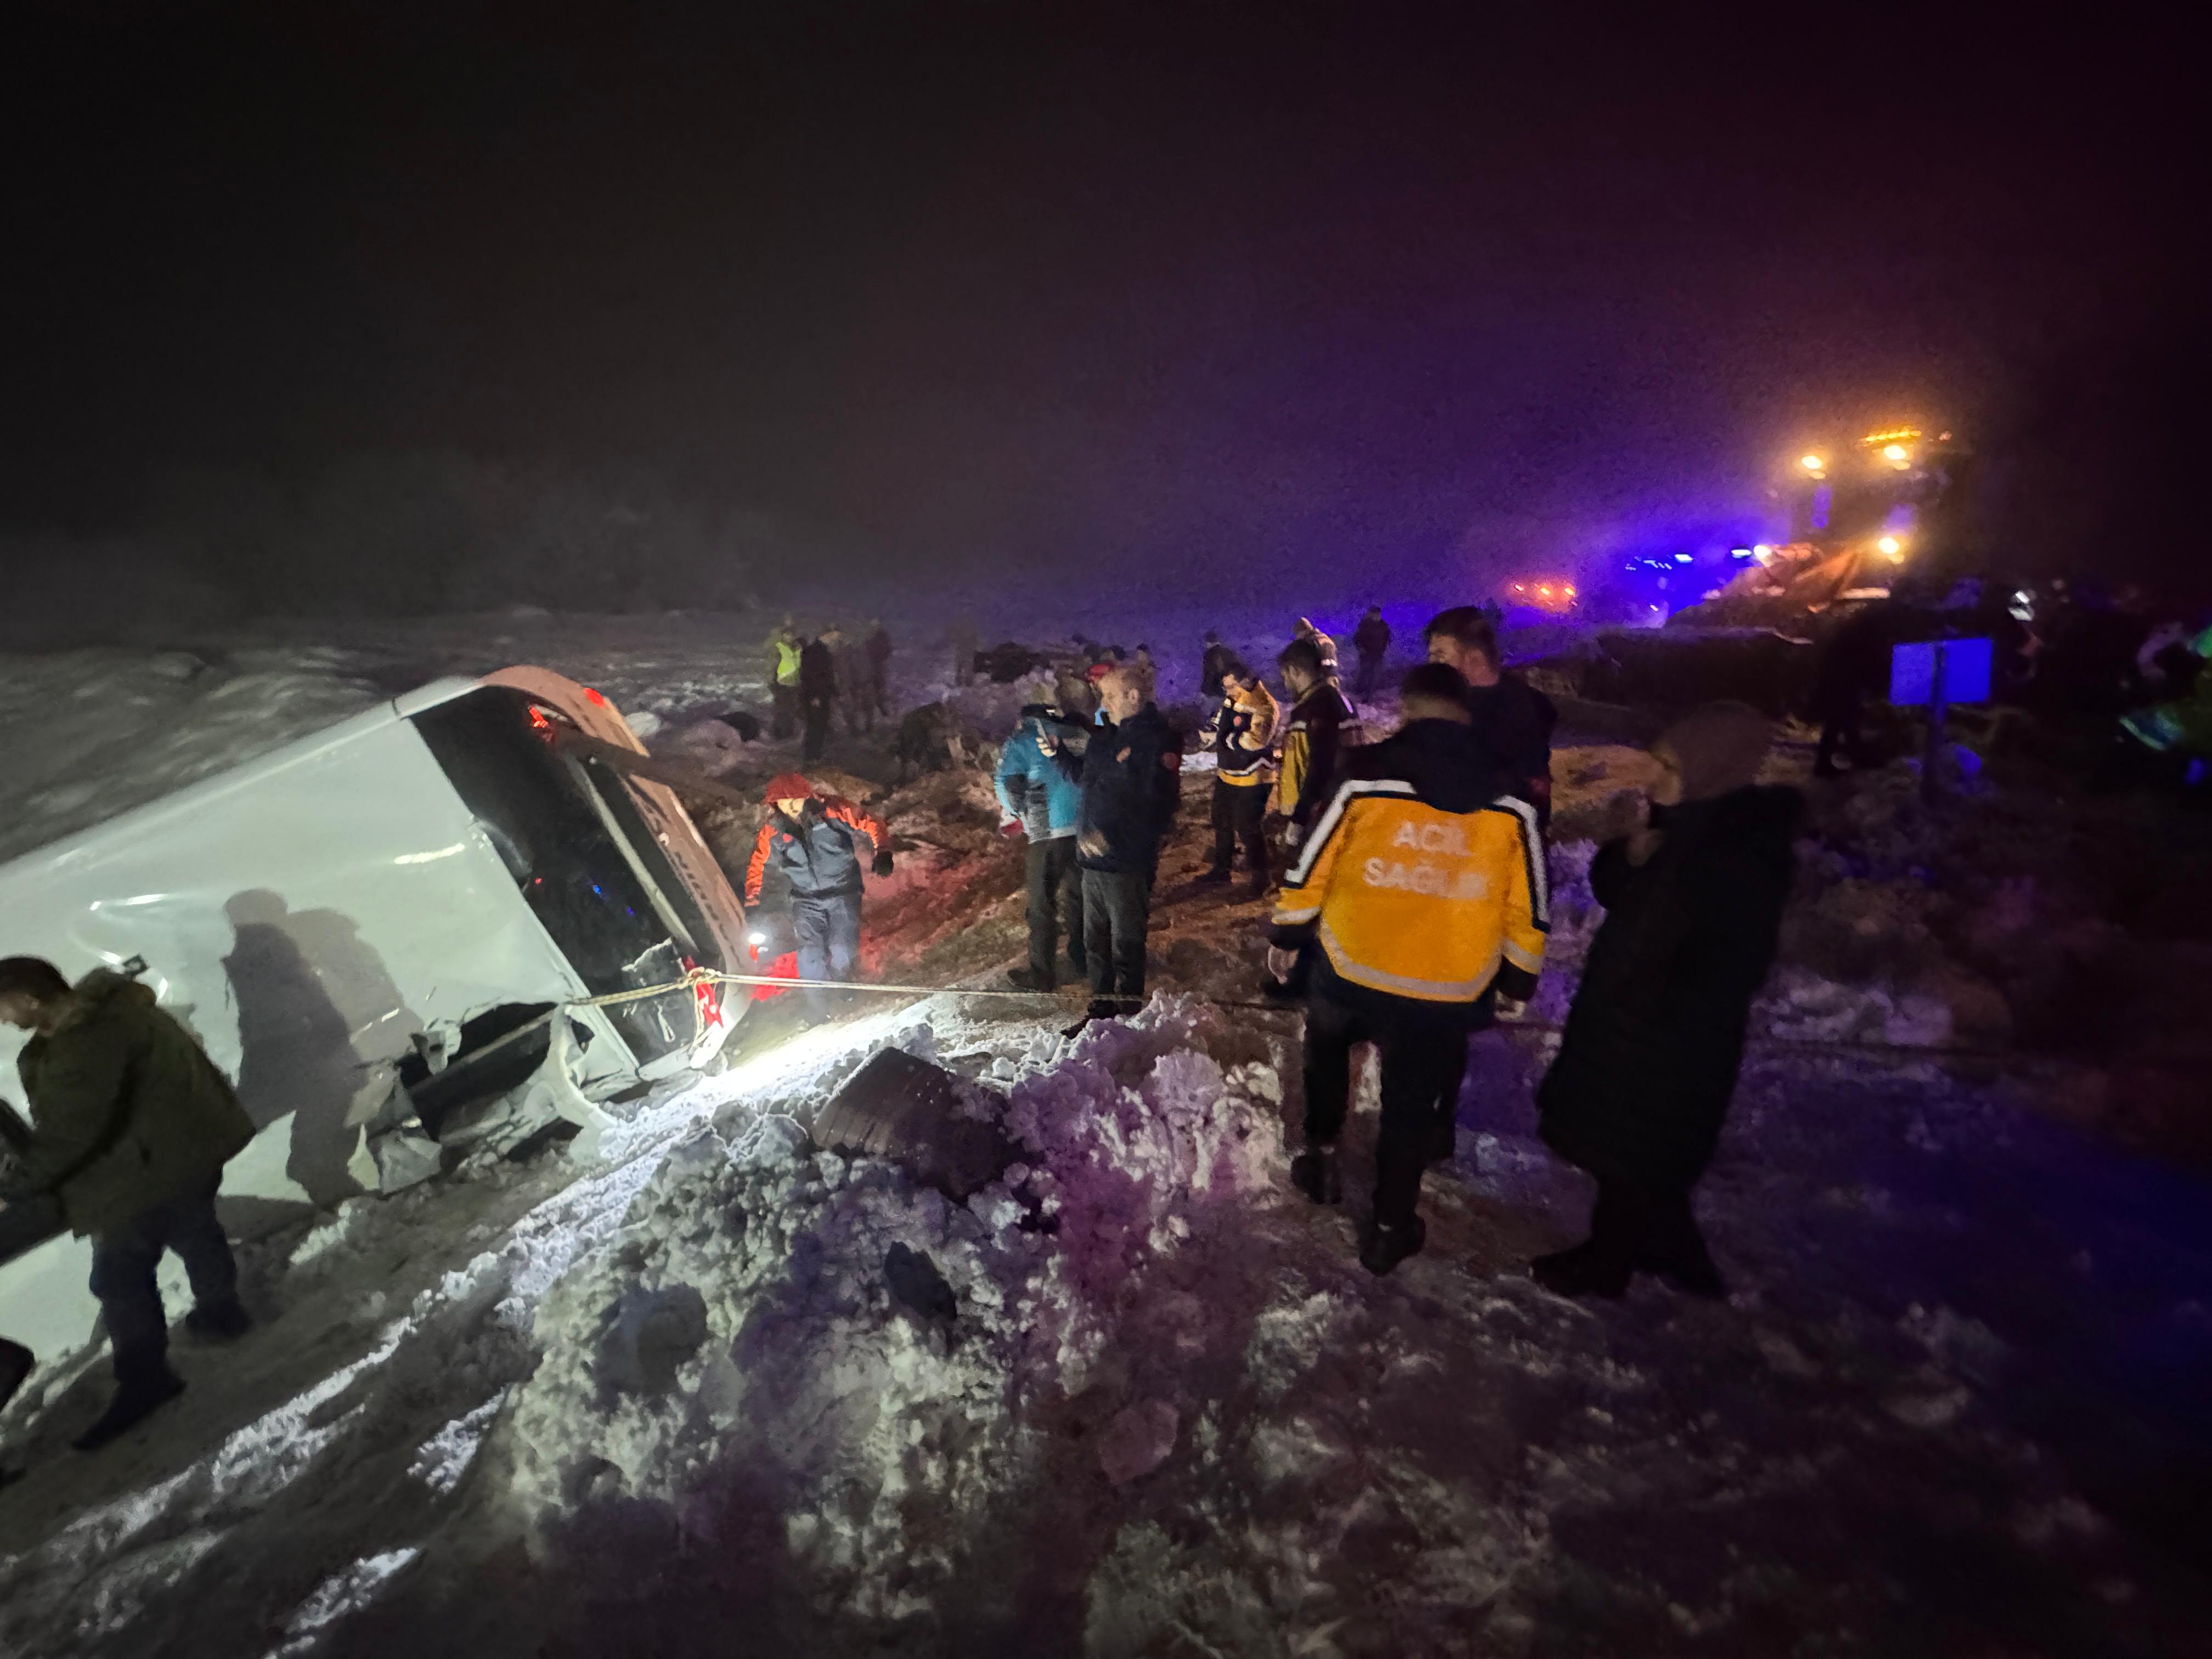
(131, 1126)
(879, 648)
(1693, 903)
(1853, 671)
(1214, 665)
(1371, 640)
(1131, 770)
(818, 691)
(1512, 717)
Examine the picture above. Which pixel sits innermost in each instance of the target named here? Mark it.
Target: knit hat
(789, 785)
(1717, 748)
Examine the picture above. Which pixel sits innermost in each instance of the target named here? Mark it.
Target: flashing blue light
(1681, 558)
(1739, 552)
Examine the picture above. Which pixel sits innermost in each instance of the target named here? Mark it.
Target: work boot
(1105, 1008)
(1384, 1248)
(16, 1364)
(136, 1398)
(1027, 979)
(1684, 1262)
(225, 1322)
(1218, 876)
(1258, 887)
(1314, 1173)
(1584, 1270)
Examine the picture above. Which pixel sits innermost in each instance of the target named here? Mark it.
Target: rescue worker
(1322, 642)
(1693, 897)
(1513, 720)
(1241, 734)
(809, 843)
(817, 690)
(130, 1127)
(1424, 890)
(1131, 772)
(1047, 806)
(1217, 657)
(783, 654)
(1322, 723)
(878, 649)
(1371, 640)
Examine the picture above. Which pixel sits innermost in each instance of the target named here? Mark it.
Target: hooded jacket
(1372, 637)
(1419, 883)
(1322, 724)
(1655, 1036)
(127, 1111)
(1241, 733)
(814, 852)
(1131, 775)
(1031, 787)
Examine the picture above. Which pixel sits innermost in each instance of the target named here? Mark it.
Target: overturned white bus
(379, 928)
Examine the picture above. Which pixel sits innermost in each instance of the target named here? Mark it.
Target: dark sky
(981, 283)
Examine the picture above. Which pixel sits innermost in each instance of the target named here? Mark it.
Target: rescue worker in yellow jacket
(1241, 734)
(1422, 888)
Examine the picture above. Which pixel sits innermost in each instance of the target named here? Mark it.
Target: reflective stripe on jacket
(1415, 887)
(1320, 727)
(1241, 732)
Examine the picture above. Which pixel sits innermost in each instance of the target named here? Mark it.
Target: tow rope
(1838, 1048)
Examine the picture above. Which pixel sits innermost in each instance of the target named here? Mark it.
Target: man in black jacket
(1213, 665)
(817, 690)
(1371, 639)
(1693, 902)
(1131, 771)
(1512, 717)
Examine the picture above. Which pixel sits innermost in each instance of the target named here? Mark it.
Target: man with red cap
(809, 841)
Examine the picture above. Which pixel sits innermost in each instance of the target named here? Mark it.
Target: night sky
(1010, 287)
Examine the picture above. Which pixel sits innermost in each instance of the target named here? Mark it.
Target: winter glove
(882, 864)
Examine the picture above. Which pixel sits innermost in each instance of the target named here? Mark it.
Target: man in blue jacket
(1047, 806)
(1131, 771)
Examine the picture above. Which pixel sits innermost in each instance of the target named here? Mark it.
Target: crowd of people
(1415, 899)
(811, 680)
(1411, 900)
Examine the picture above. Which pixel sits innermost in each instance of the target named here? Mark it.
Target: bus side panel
(304, 928)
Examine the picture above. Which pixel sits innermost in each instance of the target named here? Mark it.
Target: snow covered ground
(679, 1399)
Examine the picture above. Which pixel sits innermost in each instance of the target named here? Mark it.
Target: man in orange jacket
(809, 842)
